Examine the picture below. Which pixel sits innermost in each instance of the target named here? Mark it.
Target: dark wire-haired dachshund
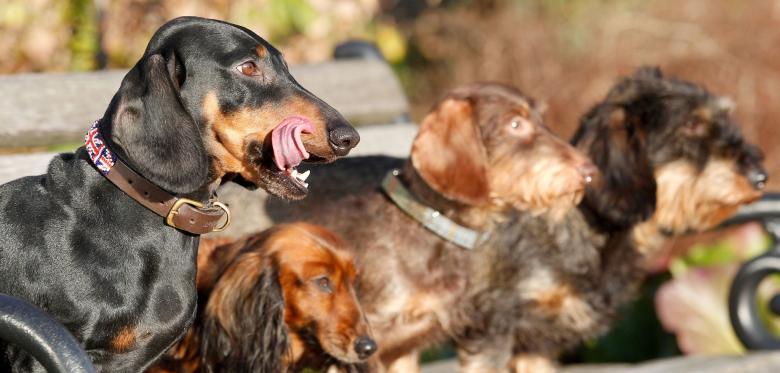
(106, 240)
(482, 152)
(281, 300)
(671, 161)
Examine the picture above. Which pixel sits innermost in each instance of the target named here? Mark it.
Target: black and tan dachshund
(208, 102)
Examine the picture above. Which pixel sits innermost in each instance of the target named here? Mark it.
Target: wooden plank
(247, 207)
(46, 109)
(754, 362)
(395, 140)
(15, 166)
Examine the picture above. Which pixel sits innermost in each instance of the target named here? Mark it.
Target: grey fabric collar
(433, 220)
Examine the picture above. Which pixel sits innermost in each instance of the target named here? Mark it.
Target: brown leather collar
(181, 213)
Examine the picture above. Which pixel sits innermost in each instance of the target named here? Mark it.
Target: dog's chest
(170, 312)
(410, 317)
(159, 301)
(412, 311)
(558, 302)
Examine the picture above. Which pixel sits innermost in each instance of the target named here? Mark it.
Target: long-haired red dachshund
(280, 300)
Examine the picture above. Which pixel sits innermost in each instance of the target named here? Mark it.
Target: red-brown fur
(319, 326)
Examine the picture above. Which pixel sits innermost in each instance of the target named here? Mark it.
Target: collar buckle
(227, 216)
(169, 219)
(196, 219)
(175, 210)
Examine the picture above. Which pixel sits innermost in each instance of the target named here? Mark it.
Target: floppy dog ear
(243, 325)
(449, 155)
(152, 130)
(624, 191)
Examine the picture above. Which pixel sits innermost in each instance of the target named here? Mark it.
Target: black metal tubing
(28, 327)
(743, 303)
(767, 208)
(743, 307)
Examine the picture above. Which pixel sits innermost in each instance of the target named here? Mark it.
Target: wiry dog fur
(281, 300)
(470, 163)
(671, 161)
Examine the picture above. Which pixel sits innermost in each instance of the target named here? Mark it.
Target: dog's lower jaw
(280, 185)
(648, 238)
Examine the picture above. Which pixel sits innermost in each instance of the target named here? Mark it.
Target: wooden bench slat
(46, 109)
(394, 140)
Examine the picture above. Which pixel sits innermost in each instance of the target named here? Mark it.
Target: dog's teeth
(306, 185)
(293, 172)
(303, 176)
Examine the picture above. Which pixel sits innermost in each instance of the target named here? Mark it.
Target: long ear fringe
(254, 338)
(625, 192)
(151, 129)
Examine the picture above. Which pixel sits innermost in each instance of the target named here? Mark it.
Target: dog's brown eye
(324, 284)
(248, 68)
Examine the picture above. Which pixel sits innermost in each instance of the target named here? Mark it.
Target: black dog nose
(364, 347)
(342, 139)
(758, 178)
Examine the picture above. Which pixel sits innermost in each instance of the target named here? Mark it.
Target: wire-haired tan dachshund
(106, 240)
(281, 300)
(672, 160)
(417, 224)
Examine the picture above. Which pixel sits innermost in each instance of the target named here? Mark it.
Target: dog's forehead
(500, 94)
(511, 105)
(314, 260)
(220, 40)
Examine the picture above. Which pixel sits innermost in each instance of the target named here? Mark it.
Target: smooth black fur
(85, 252)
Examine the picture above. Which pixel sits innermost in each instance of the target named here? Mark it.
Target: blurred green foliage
(639, 335)
(84, 40)
(719, 253)
(284, 18)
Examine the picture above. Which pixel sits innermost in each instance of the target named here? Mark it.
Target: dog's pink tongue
(286, 142)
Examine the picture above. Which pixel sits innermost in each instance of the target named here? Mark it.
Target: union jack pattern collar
(181, 213)
(97, 149)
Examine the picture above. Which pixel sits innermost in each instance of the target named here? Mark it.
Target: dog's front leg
(532, 363)
(482, 357)
(409, 363)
